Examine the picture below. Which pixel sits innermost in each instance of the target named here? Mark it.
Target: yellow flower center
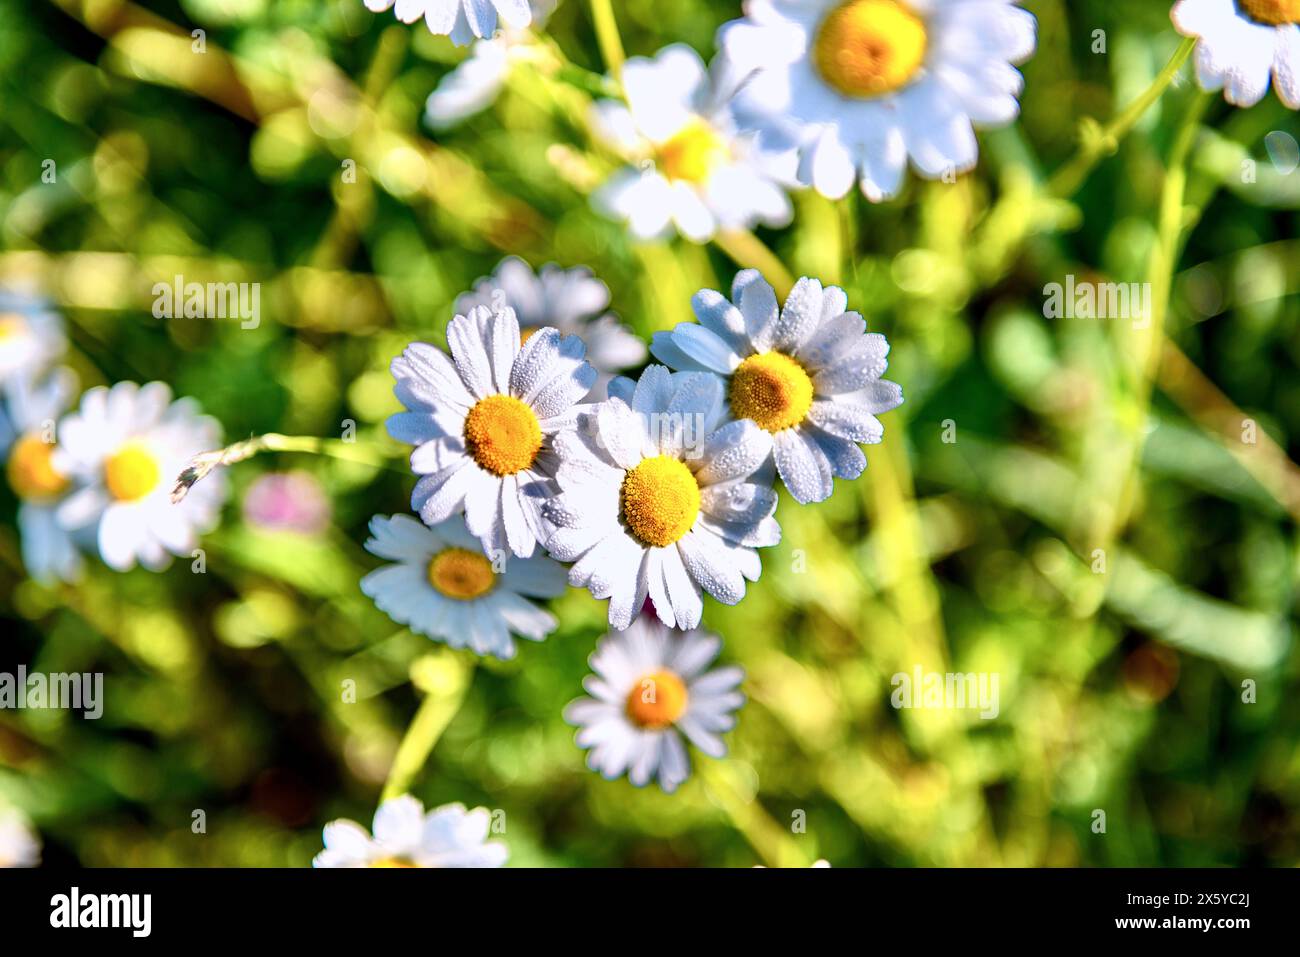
(461, 574)
(502, 434)
(31, 470)
(1273, 12)
(660, 499)
(693, 153)
(772, 389)
(867, 48)
(131, 472)
(526, 334)
(657, 701)
(393, 862)
(10, 324)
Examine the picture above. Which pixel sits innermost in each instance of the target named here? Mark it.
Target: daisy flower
(475, 84)
(122, 448)
(573, 301)
(28, 437)
(649, 688)
(1242, 43)
(405, 836)
(859, 87)
(809, 374)
(691, 169)
(659, 498)
(444, 588)
(462, 20)
(482, 421)
(31, 337)
(19, 845)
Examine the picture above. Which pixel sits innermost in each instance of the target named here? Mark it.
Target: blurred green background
(1026, 446)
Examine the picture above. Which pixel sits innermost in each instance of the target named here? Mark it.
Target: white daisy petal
(799, 468)
(1240, 54)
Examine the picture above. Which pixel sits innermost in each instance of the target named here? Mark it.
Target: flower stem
(725, 786)
(445, 678)
(1143, 348)
(748, 251)
(611, 44)
(345, 451)
(1100, 142)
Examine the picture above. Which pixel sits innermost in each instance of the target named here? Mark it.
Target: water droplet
(1283, 151)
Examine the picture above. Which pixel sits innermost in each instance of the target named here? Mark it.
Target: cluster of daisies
(533, 453)
(94, 478)
(531, 450)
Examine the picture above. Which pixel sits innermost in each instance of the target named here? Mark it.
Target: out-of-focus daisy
(19, 845)
(31, 336)
(649, 688)
(1241, 44)
(475, 84)
(573, 301)
(660, 499)
(462, 20)
(123, 448)
(287, 501)
(405, 836)
(482, 421)
(859, 87)
(28, 439)
(691, 169)
(809, 374)
(444, 588)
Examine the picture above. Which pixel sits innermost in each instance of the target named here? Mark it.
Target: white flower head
(29, 439)
(859, 87)
(405, 836)
(462, 20)
(123, 448)
(483, 420)
(573, 301)
(808, 374)
(31, 336)
(478, 80)
(1242, 44)
(692, 170)
(443, 587)
(650, 688)
(19, 844)
(660, 499)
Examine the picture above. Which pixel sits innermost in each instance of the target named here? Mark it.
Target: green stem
(1145, 345)
(445, 679)
(774, 844)
(1103, 142)
(749, 252)
(204, 463)
(611, 44)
